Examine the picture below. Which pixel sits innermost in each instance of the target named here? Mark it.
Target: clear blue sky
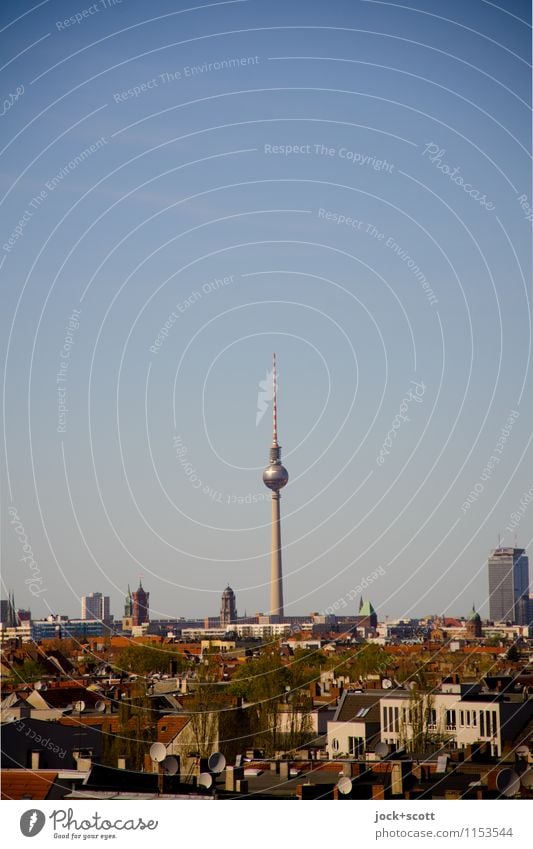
(356, 175)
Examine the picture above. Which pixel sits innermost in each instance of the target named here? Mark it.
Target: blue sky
(346, 184)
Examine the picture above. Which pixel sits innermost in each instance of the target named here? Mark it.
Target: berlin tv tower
(275, 477)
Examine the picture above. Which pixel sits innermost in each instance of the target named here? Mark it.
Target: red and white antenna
(274, 403)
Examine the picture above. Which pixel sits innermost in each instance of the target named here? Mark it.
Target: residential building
(457, 715)
(355, 727)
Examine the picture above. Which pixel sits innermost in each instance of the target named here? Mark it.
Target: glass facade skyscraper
(509, 585)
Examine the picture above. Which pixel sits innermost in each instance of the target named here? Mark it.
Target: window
(335, 743)
(385, 723)
(481, 723)
(494, 724)
(356, 746)
(397, 720)
(474, 718)
(432, 718)
(461, 718)
(451, 721)
(391, 725)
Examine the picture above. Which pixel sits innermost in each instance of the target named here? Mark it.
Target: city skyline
(184, 195)
(508, 580)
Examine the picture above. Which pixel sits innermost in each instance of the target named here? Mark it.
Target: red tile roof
(25, 784)
(169, 726)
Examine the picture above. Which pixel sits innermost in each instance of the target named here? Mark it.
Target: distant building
(95, 606)
(8, 612)
(473, 624)
(509, 585)
(367, 616)
(228, 609)
(127, 619)
(141, 606)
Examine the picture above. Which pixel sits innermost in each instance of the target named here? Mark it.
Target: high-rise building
(8, 612)
(509, 585)
(141, 606)
(228, 609)
(275, 477)
(95, 606)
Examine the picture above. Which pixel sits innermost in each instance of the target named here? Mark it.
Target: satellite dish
(411, 685)
(344, 785)
(526, 779)
(507, 782)
(100, 706)
(216, 762)
(158, 752)
(205, 780)
(40, 685)
(382, 750)
(170, 765)
(386, 683)
(79, 707)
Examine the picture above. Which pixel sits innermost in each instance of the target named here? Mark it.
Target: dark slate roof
(355, 703)
(105, 778)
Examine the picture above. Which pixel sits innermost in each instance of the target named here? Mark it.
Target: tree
(202, 706)
(30, 670)
(146, 659)
(263, 682)
(135, 732)
(359, 663)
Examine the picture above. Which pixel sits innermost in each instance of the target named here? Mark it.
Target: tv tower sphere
(275, 477)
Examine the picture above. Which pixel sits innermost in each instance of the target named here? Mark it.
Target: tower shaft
(276, 575)
(275, 477)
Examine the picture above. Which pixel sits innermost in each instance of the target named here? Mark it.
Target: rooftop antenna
(158, 754)
(344, 785)
(274, 403)
(507, 782)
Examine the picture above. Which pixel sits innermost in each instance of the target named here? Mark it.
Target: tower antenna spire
(274, 403)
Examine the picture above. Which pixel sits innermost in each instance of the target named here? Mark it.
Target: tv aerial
(170, 765)
(344, 785)
(100, 706)
(382, 750)
(507, 782)
(158, 752)
(205, 780)
(216, 763)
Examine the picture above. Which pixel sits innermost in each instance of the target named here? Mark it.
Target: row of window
(488, 723)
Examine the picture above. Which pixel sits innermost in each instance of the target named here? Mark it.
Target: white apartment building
(457, 714)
